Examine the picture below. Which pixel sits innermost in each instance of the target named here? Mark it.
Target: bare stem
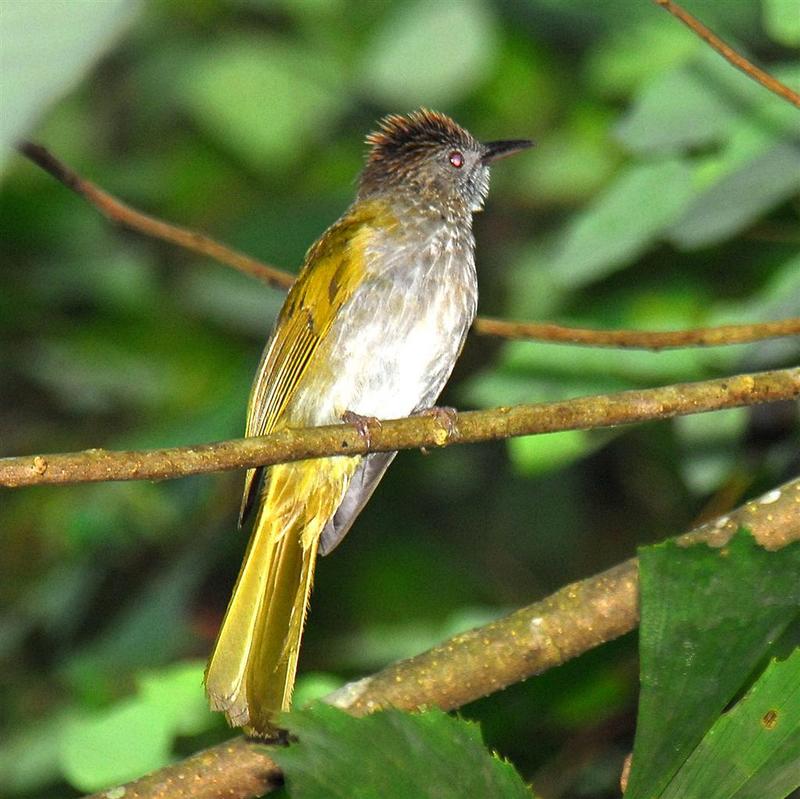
(729, 54)
(603, 410)
(128, 217)
(637, 339)
(529, 641)
(122, 214)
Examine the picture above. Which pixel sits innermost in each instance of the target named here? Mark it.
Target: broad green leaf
(740, 198)
(124, 742)
(676, 111)
(622, 222)
(44, 50)
(752, 751)
(430, 52)
(313, 685)
(708, 618)
(782, 21)
(705, 103)
(135, 736)
(263, 100)
(616, 66)
(391, 754)
(533, 455)
(178, 691)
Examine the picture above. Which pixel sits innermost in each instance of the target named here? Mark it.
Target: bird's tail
(251, 672)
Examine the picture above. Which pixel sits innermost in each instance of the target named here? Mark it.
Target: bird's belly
(387, 355)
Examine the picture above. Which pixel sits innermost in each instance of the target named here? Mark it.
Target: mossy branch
(471, 665)
(435, 430)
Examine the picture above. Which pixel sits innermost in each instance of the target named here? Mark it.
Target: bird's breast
(393, 344)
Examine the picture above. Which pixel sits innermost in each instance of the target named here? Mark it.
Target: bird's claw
(447, 418)
(364, 425)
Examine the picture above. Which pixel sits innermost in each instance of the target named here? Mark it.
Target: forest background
(662, 194)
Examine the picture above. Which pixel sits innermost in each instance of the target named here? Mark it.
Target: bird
(371, 328)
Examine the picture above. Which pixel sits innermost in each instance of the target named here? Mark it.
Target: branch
(603, 410)
(122, 214)
(637, 339)
(128, 217)
(573, 620)
(576, 618)
(729, 54)
(236, 769)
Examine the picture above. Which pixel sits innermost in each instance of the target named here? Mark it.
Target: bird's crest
(399, 134)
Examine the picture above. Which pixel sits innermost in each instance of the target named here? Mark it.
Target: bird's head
(427, 158)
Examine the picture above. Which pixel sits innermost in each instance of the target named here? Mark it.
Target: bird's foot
(447, 418)
(364, 425)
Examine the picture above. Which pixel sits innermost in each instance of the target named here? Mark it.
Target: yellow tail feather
(251, 672)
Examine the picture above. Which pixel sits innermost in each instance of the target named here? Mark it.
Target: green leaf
(677, 111)
(622, 222)
(782, 21)
(616, 66)
(263, 100)
(533, 455)
(709, 617)
(124, 742)
(177, 692)
(135, 736)
(753, 751)
(430, 52)
(708, 103)
(391, 754)
(46, 47)
(313, 685)
(739, 199)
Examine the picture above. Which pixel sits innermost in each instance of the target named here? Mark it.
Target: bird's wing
(334, 267)
(365, 480)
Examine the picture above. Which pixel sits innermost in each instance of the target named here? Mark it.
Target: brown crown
(419, 129)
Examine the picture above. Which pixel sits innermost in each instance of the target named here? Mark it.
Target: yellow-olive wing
(333, 269)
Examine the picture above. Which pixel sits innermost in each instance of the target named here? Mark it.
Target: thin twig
(637, 339)
(128, 217)
(531, 640)
(122, 214)
(604, 410)
(729, 54)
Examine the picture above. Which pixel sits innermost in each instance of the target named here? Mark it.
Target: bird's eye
(456, 159)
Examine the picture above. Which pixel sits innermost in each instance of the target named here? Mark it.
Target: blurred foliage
(663, 192)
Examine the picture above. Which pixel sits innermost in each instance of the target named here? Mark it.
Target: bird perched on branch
(371, 328)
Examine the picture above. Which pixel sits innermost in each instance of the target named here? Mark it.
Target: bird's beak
(494, 150)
